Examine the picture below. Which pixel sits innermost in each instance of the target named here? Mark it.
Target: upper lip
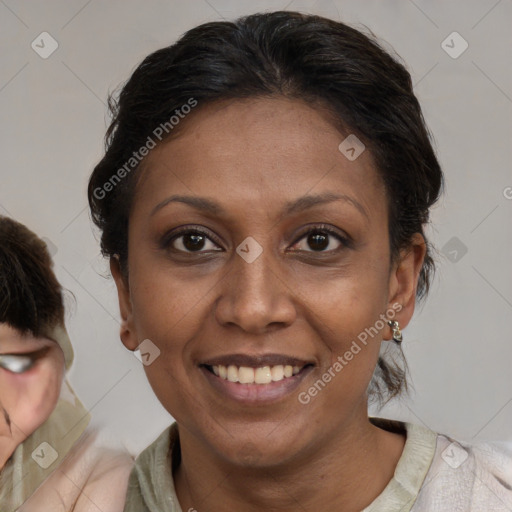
(255, 361)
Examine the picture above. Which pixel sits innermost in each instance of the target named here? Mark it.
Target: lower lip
(256, 393)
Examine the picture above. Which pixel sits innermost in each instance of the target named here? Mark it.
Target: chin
(256, 449)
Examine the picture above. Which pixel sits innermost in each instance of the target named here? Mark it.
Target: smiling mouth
(259, 375)
(263, 369)
(256, 379)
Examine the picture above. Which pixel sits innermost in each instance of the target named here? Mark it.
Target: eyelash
(170, 238)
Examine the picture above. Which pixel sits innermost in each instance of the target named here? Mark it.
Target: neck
(347, 474)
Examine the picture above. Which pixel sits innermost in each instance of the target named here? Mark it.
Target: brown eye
(193, 241)
(320, 240)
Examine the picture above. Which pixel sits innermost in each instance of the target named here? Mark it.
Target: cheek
(168, 308)
(347, 303)
(172, 312)
(32, 396)
(347, 312)
(158, 294)
(4, 414)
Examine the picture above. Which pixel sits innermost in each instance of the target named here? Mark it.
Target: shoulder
(438, 474)
(91, 477)
(469, 477)
(158, 451)
(151, 485)
(107, 480)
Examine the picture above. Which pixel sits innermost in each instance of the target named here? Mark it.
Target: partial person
(50, 460)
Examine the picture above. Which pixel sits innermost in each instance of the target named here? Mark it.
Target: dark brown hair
(30, 295)
(366, 91)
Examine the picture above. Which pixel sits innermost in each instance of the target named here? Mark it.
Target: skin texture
(27, 399)
(252, 158)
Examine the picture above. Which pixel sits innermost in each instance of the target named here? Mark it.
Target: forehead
(10, 333)
(11, 338)
(261, 151)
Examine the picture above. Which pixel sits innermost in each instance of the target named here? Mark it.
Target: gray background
(53, 118)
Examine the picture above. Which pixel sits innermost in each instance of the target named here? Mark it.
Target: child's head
(31, 310)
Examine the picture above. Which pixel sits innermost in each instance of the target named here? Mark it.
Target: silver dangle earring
(397, 333)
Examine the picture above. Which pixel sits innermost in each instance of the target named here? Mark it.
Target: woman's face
(26, 399)
(255, 243)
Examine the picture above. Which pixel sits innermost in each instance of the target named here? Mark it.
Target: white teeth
(277, 373)
(246, 375)
(261, 375)
(232, 373)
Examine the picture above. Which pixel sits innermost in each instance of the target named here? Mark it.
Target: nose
(255, 297)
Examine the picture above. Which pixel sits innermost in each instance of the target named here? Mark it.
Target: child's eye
(20, 363)
(16, 363)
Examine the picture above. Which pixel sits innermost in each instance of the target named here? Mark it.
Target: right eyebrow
(200, 203)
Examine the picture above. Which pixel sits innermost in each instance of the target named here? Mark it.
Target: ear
(403, 280)
(128, 333)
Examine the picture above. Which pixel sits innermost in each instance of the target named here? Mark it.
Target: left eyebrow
(305, 202)
(298, 205)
